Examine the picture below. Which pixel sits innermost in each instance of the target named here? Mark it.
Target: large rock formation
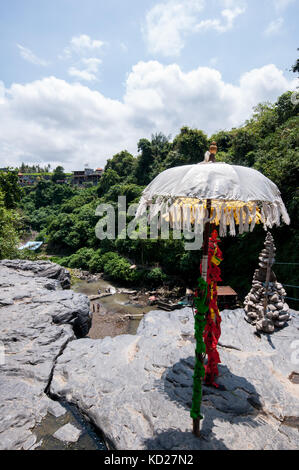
(38, 319)
(265, 306)
(138, 389)
(42, 269)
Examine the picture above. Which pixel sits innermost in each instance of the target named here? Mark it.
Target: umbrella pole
(204, 271)
(266, 299)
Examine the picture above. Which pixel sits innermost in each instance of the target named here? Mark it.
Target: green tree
(295, 67)
(108, 179)
(9, 221)
(122, 163)
(191, 144)
(58, 174)
(243, 143)
(144, 162)
(11, 190)
(223, 140)
(285, 108)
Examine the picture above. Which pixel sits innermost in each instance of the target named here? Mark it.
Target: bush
(81, 258)
(9, 220)
(118, 268)
(63, 261)
(155, 276)
(95, 264)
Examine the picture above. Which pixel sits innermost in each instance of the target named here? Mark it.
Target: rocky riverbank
(166, 296)
(38, 319)
(137, 389)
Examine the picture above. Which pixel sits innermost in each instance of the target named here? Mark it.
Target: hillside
(65, 216)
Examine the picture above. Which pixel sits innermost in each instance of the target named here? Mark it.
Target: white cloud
(53, 121)
(82, 45)
(29, 56)
(168, 23)
(84, 42)
(221, 25)
(281, 5)
(274, 27)
(199, 98)
(89, 72)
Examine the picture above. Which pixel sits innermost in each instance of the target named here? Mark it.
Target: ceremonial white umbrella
(239, 196)
(229, 196)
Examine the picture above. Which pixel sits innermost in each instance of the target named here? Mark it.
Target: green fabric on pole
(199, 326)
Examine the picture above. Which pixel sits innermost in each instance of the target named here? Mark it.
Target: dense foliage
(65, 216)
(10, 221)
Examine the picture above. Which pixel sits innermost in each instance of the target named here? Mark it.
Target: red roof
(225, 290)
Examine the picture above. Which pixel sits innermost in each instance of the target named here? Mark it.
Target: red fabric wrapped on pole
(212, 330)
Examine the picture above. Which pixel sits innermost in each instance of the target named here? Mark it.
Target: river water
(113, 317)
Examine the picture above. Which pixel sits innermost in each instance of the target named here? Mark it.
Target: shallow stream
(110, 318)
(111, 313)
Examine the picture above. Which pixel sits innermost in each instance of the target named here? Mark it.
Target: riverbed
(113, 315)
(112, 319)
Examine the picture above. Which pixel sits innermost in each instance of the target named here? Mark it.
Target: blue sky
(81, 80)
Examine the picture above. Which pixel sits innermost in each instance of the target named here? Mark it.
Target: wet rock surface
(38, 319)
(68, 433)
(138, 389)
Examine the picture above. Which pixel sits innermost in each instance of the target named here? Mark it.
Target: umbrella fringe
(283, 212)
(241, 225)
(246, 226)
(232, 226)
(253, 218)
(184, 215)
(223, 227)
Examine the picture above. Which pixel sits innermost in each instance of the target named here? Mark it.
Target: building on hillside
(82, 177)
(26, 179)
(64, 181)
(29, 179)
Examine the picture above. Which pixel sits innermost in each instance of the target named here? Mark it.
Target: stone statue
(264, 305)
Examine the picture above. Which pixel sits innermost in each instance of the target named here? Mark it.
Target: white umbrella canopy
(239, 196)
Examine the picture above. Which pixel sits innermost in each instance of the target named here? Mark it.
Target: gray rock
(36, 326)
(284, 318)
(43, 269)
(138, 389)
(267, 325)
(68, 433)
(56, 409)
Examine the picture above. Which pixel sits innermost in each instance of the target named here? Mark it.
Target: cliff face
(138, 389)
(38, 319)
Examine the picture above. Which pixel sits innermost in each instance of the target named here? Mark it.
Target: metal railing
(288, 285)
